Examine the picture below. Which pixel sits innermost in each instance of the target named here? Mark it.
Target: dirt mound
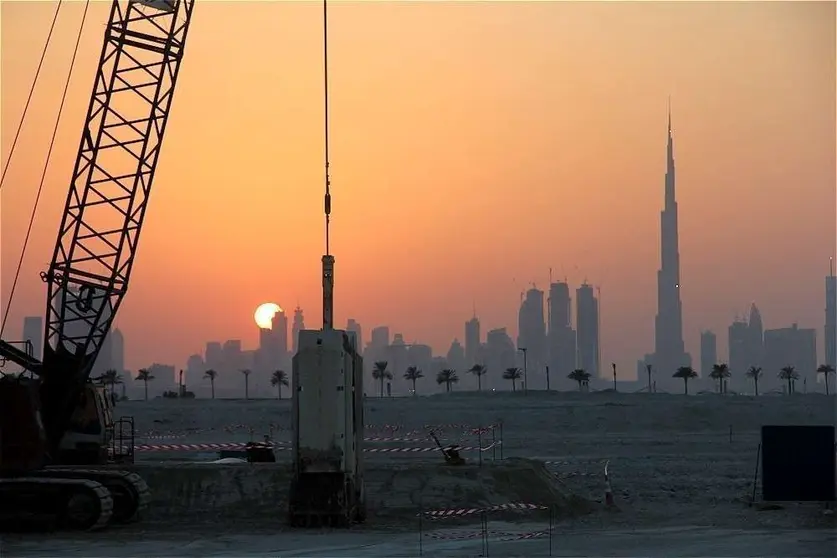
(212, 493)
(406, 490)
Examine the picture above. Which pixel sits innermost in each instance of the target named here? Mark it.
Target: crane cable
(46, 164)
(31, 92)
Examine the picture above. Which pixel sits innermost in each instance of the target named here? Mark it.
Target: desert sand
(681, 470)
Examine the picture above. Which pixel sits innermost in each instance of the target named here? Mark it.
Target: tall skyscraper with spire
(669, 349)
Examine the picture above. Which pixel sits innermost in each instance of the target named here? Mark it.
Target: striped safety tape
(243, 445)
(461, 512)
(503, 535)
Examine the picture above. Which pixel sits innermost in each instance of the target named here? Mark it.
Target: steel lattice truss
(112, 178)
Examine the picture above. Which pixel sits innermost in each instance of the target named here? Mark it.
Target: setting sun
(264, 314)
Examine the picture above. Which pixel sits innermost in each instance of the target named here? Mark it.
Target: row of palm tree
(278, 379)
(381, 373)
(721, 372)
(448, 376)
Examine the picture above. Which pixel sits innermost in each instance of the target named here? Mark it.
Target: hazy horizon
(474, 146)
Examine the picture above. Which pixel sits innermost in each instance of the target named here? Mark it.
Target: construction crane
(56, 419)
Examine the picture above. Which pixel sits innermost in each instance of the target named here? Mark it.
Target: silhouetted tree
(579, 375)
(479, 371)
(754, 373)
(720, 372)
(825, 370)
(687, 373)
(512, 374)
(145, 376)
(380, 373)
(412, 374)
(447, 376)
(211, 375)
(110, 378)
(279, 379)
(790, 375)
(246, 373)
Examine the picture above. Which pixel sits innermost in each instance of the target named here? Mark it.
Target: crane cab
(93, 436)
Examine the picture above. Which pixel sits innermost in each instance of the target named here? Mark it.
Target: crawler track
(38, 503)
(128, 490)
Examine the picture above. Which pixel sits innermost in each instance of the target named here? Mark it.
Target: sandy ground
(681, 470)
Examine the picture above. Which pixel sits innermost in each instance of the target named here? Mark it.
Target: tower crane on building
(55, 420)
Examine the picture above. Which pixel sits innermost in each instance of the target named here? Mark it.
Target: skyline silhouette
(461, 174)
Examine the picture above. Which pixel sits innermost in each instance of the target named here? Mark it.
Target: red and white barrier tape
(283, 447)
(503, 535)
(462, 512)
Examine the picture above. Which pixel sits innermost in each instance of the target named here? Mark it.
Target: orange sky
(474, 146)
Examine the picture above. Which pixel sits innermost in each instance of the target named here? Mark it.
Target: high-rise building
(456, 358)
(831, 317)
(561, 337)
(298, 325)
(738, 341)
(708, 352)
(33, 331)
(117, 347)
(472, 341)
(669, 349)
(746, 347)
(353, 326)
(379, 337)
(587, 329)
(499, 355)
(214, 356)
(532, 330)
(790, 346)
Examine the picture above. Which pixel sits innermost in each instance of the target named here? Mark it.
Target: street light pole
(525, 370)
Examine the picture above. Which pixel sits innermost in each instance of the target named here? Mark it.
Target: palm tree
(512, 374)
(279, 379)
(380, 373)
(754, 373)
(479, 371)
(447, 376)
(825, 370)
(579, 375)
(145, 376)
(412, 374)
(789, 374)
(111, 377)
(720, 372)
(246, 373)
(687, 373)
(211, 374)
